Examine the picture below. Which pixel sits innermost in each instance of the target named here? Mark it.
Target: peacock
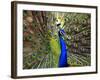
(56, 39)
(63, 55)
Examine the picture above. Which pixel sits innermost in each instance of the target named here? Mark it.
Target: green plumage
(41, 47)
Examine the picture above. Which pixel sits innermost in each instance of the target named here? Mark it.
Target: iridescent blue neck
(63, 54)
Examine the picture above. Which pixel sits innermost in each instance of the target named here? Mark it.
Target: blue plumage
(63, 54)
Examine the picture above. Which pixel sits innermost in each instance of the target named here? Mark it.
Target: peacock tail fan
(41, 46)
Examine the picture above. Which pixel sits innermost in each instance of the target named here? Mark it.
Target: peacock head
(61, 32)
